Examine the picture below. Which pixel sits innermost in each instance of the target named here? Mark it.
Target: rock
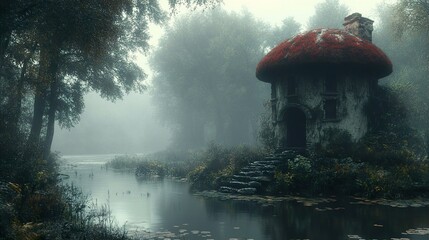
(254, 184)
(227, 189)
(247, 191)
(237, 184)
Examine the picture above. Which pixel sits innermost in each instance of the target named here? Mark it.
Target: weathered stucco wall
(352, 96)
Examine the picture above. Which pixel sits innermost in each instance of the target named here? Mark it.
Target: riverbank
(172, 211)
(268, 200)
(45, 208)
(212, 168)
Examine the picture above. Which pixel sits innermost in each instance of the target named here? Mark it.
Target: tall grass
(164, 163)
(45, 209)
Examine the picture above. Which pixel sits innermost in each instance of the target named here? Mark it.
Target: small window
(330, 108)
(291, 86)
(331, 83)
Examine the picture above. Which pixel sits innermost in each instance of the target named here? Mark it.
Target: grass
(45, 209)
(164, 163)
(217, 164)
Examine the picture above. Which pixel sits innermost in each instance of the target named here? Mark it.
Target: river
(166, 209)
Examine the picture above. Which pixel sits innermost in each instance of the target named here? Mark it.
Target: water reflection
(291, 220)
(166, 205)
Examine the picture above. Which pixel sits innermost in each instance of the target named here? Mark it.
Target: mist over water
(125, 126)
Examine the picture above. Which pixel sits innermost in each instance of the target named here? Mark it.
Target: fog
(125, 126)
(211, 119)
(147, 122)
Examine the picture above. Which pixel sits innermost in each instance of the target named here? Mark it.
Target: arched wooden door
(295, 128)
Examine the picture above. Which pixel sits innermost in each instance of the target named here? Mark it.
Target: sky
(274, 11)
(131, 126)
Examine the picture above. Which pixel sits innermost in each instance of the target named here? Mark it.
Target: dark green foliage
(386, 111)
(148, 169)
(313, 176)
(339, 144)
(400, 181)
(42, 209)
(391, 138)
(327, 176)
(385, 149)
(217, 164)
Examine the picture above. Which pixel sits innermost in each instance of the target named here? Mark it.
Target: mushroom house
(323, 79)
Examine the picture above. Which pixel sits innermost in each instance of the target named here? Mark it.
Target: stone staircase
(255, 177)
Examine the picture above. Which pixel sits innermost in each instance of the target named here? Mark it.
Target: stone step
(266, 162)
(286, 155)
(254, 184)
(237, 184)
(257, 173)
(242, 178)
(259, 167)
(243, 184)
(247, 191)
(276, 158)
(228, 189)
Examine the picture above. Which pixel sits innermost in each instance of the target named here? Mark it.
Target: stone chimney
(359, 26)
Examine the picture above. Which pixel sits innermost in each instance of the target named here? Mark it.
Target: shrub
(124, 162)
(384, 149)
(150, 169)
(218, 164)
(339, 144)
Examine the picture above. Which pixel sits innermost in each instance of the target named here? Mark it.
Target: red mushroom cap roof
(324, 47)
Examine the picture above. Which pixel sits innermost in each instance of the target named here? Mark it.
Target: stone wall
(352, 96)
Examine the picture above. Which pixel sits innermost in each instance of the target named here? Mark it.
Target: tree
(411, 15)
(328, 14)
(287, 29)
(406, 43)
(205, 85)
(58, 50)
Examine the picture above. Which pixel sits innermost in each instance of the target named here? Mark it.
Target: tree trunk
(36, 125)
(15, 99)
(47, 73)
(53, 102)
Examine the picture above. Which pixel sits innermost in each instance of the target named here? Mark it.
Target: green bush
(348, 177)
(317, 176)
(400, 181)
(385, 149)
(125, 162)
(339, 144)
(218, 164)
(150, 169)
(164, 163)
